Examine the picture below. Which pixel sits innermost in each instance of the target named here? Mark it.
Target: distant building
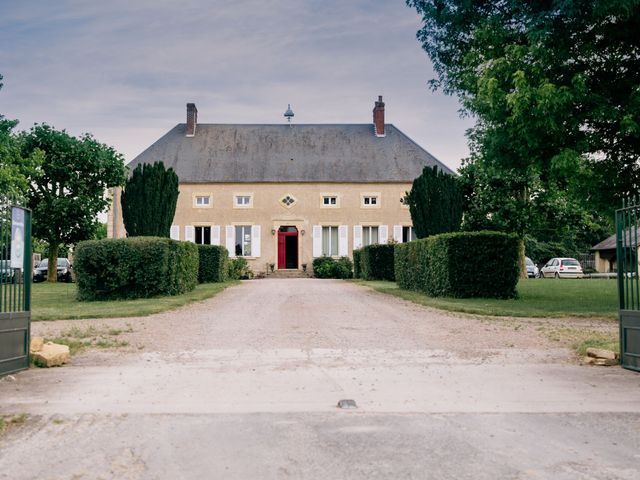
(286, 194)
(605, 251)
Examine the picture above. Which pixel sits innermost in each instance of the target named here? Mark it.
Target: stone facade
(282, 195)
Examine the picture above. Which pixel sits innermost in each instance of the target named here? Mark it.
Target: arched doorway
(287, 248)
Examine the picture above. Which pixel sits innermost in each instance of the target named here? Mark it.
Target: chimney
(192, 119)
(378, 118)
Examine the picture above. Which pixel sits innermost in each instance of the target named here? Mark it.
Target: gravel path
(244, 385)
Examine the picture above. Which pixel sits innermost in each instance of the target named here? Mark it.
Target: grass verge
(79, 339)
(537, 298)
(57, 301)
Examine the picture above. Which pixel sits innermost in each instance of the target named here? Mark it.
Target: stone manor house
(286, 194)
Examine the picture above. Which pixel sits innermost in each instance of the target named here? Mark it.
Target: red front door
(287, 247)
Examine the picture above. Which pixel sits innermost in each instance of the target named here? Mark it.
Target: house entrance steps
(288, 273)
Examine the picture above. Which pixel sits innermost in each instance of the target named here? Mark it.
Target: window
(369, 236)
(202, 201)
(288, 201)
(243, 201)
(203, 235)
(330, 241)
(243, 241)
(370, 200)
(408, 234)
(330, 201)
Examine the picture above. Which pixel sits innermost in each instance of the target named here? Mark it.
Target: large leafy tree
(435, 203)
(69, 190)
(554, 87)
(15, 169)
(149, 200)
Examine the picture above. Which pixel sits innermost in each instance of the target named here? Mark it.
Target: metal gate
(627, 235)
(15, 287)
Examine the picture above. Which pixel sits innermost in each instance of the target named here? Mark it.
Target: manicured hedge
(136, 267)
(213, 263)
(327, 267)
(377, 262)
(357, 273)
(473, 264)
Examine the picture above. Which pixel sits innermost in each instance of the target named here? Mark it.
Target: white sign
(17, 237)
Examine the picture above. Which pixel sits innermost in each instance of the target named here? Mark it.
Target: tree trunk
(523, 264)
(52, 273)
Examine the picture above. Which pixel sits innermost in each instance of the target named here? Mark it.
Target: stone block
(51, 355)
(605, 362)
(601, 353)
(36, 344)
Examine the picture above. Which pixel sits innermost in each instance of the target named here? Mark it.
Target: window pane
(326, 238)
(334, 241)
(238, 241)
(247, 241)
(374, 235)
(199, 235)
(333, 200)
(206, 235)
(366, 237)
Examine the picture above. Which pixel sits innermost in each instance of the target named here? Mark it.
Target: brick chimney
(378, 118)
(192, 119)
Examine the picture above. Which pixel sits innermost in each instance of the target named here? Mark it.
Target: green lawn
(537, 298)
(57, 301)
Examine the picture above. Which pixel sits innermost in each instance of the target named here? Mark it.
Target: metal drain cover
(348, 403)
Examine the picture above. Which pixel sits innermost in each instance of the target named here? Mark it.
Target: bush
(356, 263)
(239, 269)
(474, 264)
(213, 263)
(377, 262)
(327, 267)
(136, 267)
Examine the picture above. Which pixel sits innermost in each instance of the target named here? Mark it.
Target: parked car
(65, 273)
(532, 270)
(7, 274)
(562, 268)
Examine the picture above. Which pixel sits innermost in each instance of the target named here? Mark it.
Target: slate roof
(610, 242)
(228, 153)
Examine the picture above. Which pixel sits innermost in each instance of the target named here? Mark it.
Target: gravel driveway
(244, 385)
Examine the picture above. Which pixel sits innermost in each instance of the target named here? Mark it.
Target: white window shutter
(357, 236)
(317, 241)
(230, 231)
(397, 233)
(174, 233)
(190, 233)
(255, 240)
(383, 234)
(215, 235)
(343, 243)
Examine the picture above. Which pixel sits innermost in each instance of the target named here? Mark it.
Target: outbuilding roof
(239, 153)
(609, 243)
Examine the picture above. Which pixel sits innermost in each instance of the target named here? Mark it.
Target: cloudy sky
(123, 70)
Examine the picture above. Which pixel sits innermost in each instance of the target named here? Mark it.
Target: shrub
(137, 267)
(327, 267)
(356, 263)
(377, 262)
(474, 264)
(213, 263)
(239, 269)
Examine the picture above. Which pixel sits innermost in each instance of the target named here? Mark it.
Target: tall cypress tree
(149, 201)
(435, 202)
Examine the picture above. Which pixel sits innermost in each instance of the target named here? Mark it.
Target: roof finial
(289, 114)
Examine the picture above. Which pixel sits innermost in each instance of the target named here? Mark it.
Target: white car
(562, 268)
